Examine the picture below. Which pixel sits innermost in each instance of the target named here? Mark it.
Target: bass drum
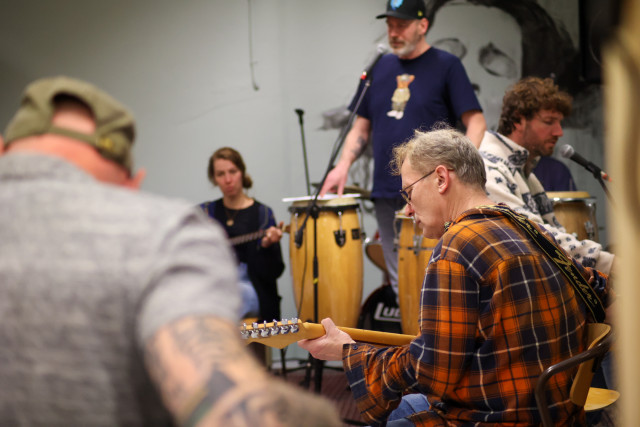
(414, 252)
(380, 311)
(340, 263)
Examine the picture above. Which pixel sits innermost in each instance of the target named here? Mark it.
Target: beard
(405, 50)
(536, 146)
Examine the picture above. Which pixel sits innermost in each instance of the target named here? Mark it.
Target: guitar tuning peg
(264, 330)
(294, 326)
(254, 331)
(275, 330)
(284, 329)
(244, 333)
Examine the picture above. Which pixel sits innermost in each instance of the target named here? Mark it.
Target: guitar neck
(373, 337)
(244, 238)
(281, 334)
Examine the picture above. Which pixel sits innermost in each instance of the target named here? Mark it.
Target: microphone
(568, 152)
(381, 49)
(299, 112)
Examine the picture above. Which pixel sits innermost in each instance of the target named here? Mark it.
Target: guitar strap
(559, 258)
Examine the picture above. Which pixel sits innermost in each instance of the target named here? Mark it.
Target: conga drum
(340, 266)
(414, 251)
(576, 212)
(373, 250)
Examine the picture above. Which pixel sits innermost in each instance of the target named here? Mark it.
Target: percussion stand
(313, 210)
(313, 363)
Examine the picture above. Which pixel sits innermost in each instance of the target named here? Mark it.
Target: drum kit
(340, 245)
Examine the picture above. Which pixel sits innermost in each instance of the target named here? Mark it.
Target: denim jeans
(410, 404)
(250, 306)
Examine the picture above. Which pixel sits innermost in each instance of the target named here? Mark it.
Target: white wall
(183, 68)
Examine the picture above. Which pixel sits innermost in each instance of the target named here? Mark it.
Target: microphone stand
(313, 211)
(300, 113)
(598, 176)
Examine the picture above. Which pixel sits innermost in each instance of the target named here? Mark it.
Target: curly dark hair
(528, 96)
(228, 153)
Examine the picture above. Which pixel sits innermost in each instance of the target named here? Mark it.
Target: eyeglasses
(405, 194)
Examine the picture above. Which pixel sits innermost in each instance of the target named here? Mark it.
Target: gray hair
(443, 146)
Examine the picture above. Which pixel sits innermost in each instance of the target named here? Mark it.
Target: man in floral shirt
(530, 126)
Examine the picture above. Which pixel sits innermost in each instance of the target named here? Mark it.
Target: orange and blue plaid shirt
(495, 312)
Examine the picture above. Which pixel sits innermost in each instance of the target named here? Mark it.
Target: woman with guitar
(252, 230)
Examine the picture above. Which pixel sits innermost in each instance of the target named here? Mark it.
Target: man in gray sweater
(117, 308)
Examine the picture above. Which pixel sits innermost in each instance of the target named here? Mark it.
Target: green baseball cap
(115, 126)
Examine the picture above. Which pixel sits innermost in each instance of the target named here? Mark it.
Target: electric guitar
(281, 334)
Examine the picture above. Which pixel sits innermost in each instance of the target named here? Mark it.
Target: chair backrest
(596, 333)
(598, 343)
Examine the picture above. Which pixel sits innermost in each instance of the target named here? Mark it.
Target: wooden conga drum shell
(340, 268)
(576, 212)
(414, 252)
(373, 249)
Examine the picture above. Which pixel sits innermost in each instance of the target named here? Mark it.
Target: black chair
(581, 394)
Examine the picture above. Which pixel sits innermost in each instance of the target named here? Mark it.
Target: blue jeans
(250, 306)
(410, 404)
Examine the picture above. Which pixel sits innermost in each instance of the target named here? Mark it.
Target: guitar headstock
(278, 334)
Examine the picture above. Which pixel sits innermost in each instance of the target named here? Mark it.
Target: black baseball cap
(405, 9)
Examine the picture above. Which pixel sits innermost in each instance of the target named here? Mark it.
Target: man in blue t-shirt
(414, 88)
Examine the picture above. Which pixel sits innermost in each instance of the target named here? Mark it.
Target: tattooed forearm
(207, 341)
(206, 375)
(277, 404)
(359, 147)
(183, 354)
(171, 386)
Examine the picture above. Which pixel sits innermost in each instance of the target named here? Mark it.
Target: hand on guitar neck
(269, 236)
(329, 346)
(330, 338)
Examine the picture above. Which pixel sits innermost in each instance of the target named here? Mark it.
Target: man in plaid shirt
(495, 310)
